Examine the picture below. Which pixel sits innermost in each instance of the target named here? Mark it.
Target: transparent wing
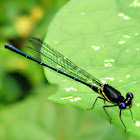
(46, 54)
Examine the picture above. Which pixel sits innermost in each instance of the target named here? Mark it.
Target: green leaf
(104, 41)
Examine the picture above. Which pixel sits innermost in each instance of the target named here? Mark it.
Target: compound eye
(129, 94)
(122, 106)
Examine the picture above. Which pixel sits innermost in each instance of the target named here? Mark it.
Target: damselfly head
(128, 100)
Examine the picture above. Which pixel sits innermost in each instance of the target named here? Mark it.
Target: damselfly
(45, 55)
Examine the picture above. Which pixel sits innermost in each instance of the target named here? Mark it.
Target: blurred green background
(25, 113)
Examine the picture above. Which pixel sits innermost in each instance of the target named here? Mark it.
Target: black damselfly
(45, 55)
